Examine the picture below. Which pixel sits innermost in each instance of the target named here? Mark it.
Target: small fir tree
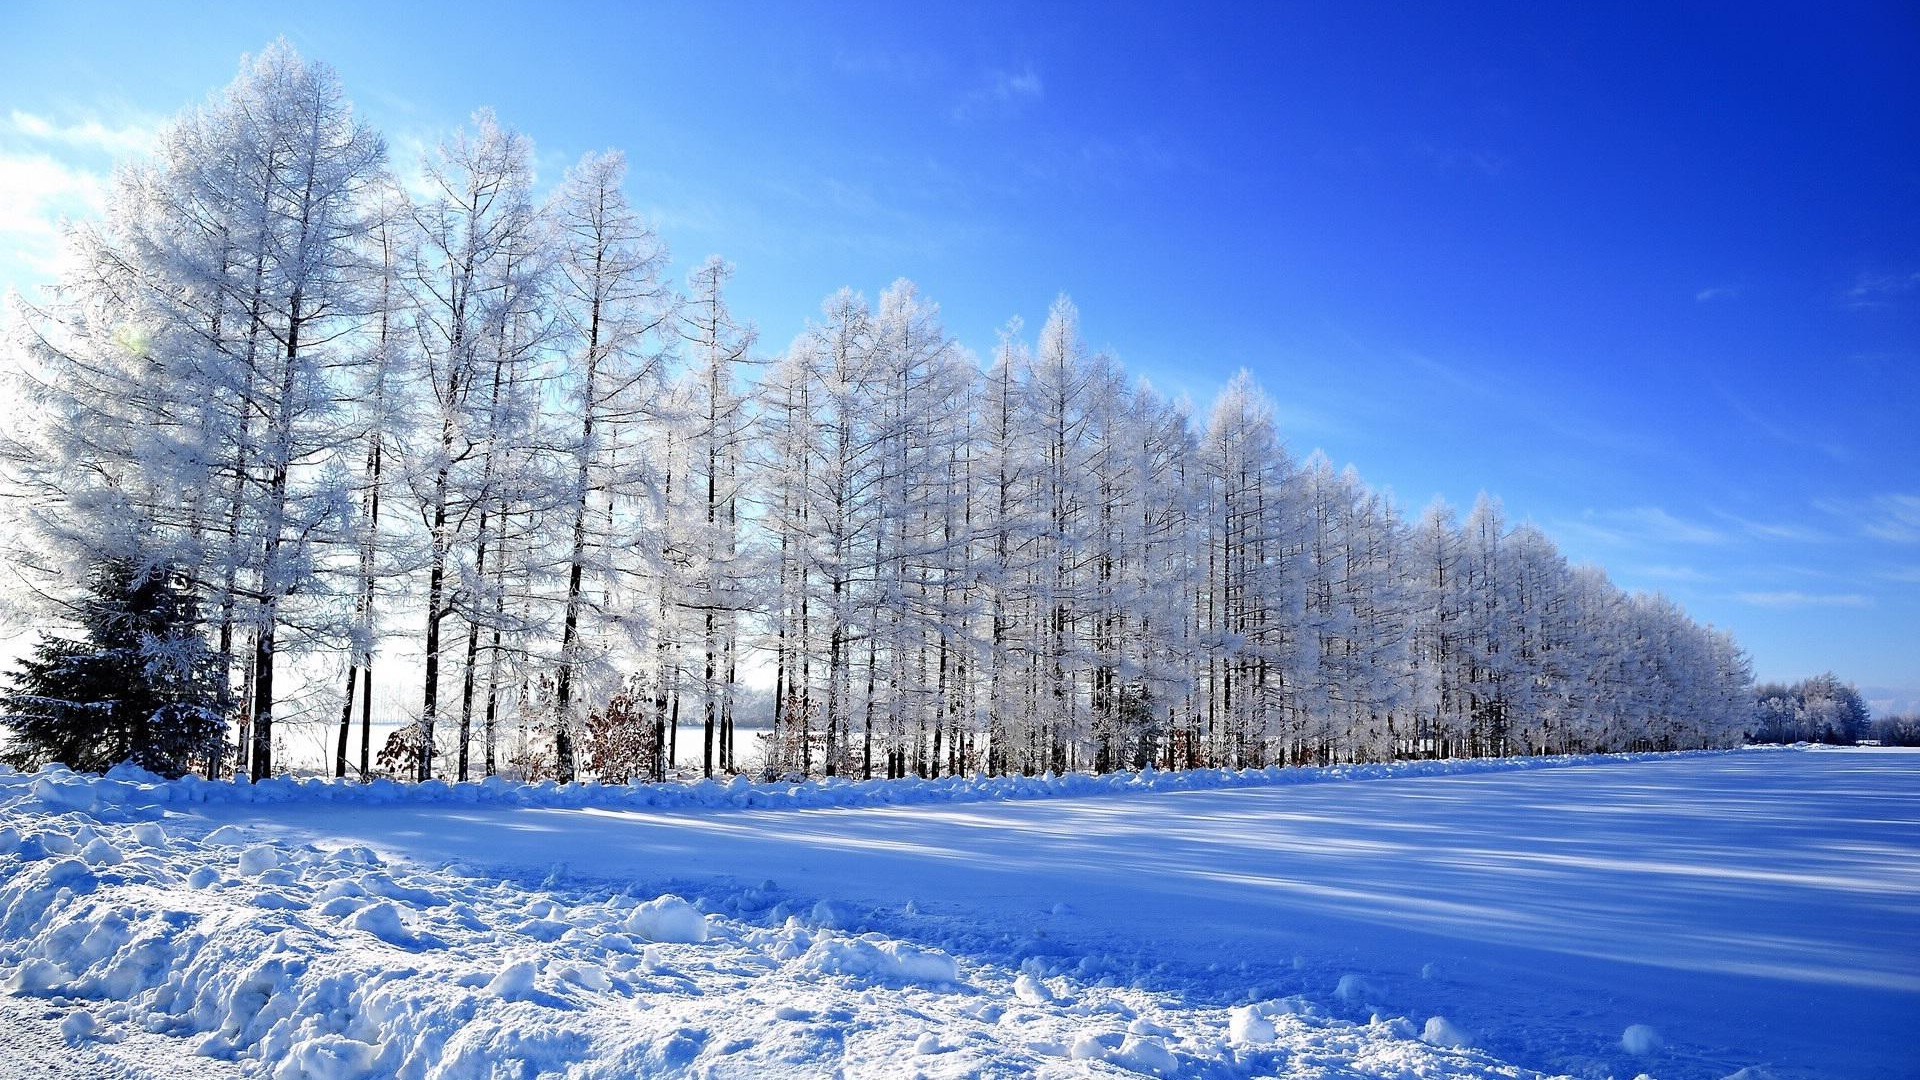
(140, 687)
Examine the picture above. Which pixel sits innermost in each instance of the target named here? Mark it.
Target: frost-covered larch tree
(719, 425)
(473, 229)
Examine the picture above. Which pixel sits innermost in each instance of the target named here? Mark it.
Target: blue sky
(1650, 273)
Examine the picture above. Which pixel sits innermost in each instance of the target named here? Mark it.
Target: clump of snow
(1029, 990)
(384, 921)
(101, 853)
(78, 1026)
(1441, 1031)
(61, 790)
(1132, 1052)
(833, 915)
(1641, 1040)
(515, 981)
(1354, 989)
(328, 1057)
(1093, 1045)
(1145, 1055)
(875, 958)
(37, 975)
(1397, 1026)
(258, 859)
(668, 919)
(1247, 1026)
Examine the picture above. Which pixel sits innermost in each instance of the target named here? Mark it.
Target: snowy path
(1757, 910)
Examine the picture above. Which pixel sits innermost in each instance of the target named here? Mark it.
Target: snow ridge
(128, 789)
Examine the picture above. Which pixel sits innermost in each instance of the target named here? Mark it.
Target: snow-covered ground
(1678, 917)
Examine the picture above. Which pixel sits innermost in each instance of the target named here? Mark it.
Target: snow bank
(130, 793)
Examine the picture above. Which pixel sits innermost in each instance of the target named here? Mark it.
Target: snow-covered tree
(139, 685)
(614, 306)
(474, 248)
(707, 517)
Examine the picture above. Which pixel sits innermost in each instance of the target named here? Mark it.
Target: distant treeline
(1825, 710)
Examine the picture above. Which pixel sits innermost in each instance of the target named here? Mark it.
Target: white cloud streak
(52, 171)
(91, 134)
(1642, 525)
(1001, 93)
(1803, 600)
(1894, 518)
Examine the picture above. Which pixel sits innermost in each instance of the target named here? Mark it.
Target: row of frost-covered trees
(441, 431)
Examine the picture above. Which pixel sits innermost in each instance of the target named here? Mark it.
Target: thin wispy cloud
(37, 194)
(1717, 292)
(1000, 94)
(1780, 430)
(1875, 289)
(1794, 599)
(1893, 518)
(52, 171)
(90, 134)
(1642, 525)
(1680, 574)
(1791, 532)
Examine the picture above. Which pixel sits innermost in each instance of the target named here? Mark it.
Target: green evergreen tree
(140, 687)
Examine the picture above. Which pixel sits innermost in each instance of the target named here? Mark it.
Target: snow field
(293, 961)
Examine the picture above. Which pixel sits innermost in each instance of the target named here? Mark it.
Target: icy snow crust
(315, 929)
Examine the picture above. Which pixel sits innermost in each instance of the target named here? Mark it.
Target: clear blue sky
(1649, 272)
